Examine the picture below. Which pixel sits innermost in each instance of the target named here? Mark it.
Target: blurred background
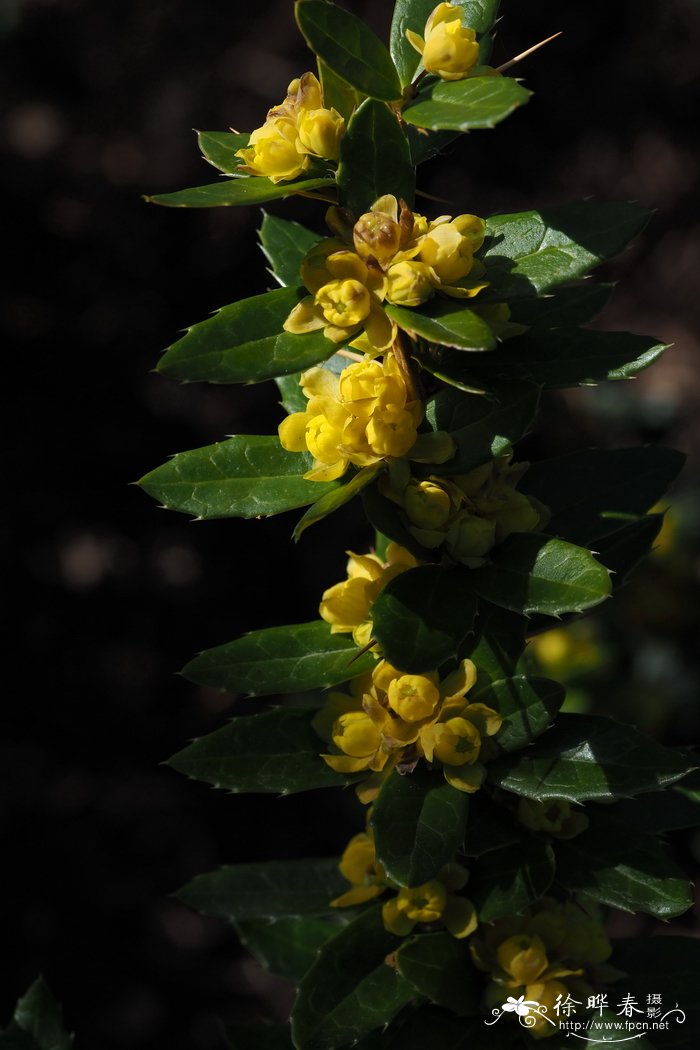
(112, 595)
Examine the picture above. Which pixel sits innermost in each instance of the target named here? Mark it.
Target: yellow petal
(459, 916)
(305, 317)
(327, 471)
(394, 921)
(465, 778)
(379, 330)
(346, 763)
(292, 432)
(415, 41)
(357, 895)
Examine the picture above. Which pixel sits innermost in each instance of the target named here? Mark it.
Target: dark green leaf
(592, 493)
(532, 573)
(440, 968)
(284, 245)
(418, 823)
(245, 343)
(348, 47)
(251, 190)
(463, 105)
(528, 707)
(384, 516)
(287, 947)
(669, 966)
(667, 810)
(564, 308)
(532, 252)
(479, 15)
(584, 757)
(506, 881)
(350, 990)
(337, 93)
(38, 1022)
(421, 617)
(374, 159)
(489, 827)
(293, 397)
(424, 145)
(259, 1037)
(337, 498)
(621, 550)
(431, 1026)
(272, 890)
(280, 660)
(447, 323)
(275, 752)
(220, 147)
(244, 477)
(498, 643)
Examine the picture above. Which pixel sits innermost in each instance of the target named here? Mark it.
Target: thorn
(365, 649)
(530, 51)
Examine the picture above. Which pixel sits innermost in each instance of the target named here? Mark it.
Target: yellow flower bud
(378, 235)
(448, 247)
(450, 50)
(356, 735)
(544, 816)
(344, 303)
(413, 697)
(391, 431)
(424, 903)
(358, 861)
(408, 283)
(455, 742)
(545, 993)
(427, 505)
(272, 151)
(470, 537)
(320, 132)
(522, 957)
(323, 438)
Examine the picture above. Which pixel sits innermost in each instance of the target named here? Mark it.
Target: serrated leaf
(421, 617)
(440, 968)
(426, 144)
(445, 323)
(497, 644)
(418, 821)
(506, 881)
(37, 1023)
(592, 493)
(479, 15)
(238, 191)
(489, 827)
(374, 159)
(338, 497)
(219, 149)
(287, 947)
(275, 752)
(584, 757)
(668, 810)
(245, 343)
(284, 245)
(529, 253)
(563, 308)
(623, 549)
(293, 398)
(349, 48)
(248, 476)
(464, 105)
(289, 659)
(530, 573)
(273, 890)
(528, 707)
(350, 990)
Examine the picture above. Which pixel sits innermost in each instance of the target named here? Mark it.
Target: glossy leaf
(275, 752)
(350, 990)
(479, 15)
(446, 323)
(349, 48)
(440, 968)
(337, 93)
(219, 149)
(284, 245)
(338, 497)
(292, 397)
(421, 617)
(482, 427)
(374, 159)
(244, 477)
(287, 947)
(37, 1023)
(272, 890)
(528, 707)
(593, 493)
(585, 757)
(623, 549)
(563, 308)
(531, 573)
(506, 881)
(490, 827)
(245, 343)
(676, 807)
(532, 252)
(418, 821)
(280, 660)
(497, 644)
(464, 105)
(230, 192)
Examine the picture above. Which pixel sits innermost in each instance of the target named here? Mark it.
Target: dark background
(110, 595)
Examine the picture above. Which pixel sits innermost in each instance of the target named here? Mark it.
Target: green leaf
(337, 498)
(293, 397)
(497, 645)
(337, 93)
(348, 47)
(272, 890)
(668, 810)
(564, 358)
(479, 15)
(418, 823)
(445, 323)
(532, 252)
(590, 494)
(506, 881)
(528, 707)
(440, 968)
(670, 967)
(489, 827)
(252, 190)
(624, 870)
(274, 752)
(280, 660)
(563, 308)
(374, 159)
(244, 477)
(532, 573)
(38, 1022)
(482, 427)
(431, 1026)
(421, 617)
(384, 516)
(220, 147)
(284, 245)
(350, 990)
(287, 947)
(620, 551)
(424, 145)
(463, 105)
(245, 343)
(259, 1037)
(585, 757)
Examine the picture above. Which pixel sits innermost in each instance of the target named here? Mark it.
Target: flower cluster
(391, 719)
(448, 48)
(365, 415)
(467, 514)
(554, 817)
(543, 954)
(390, 254)
(294, 132)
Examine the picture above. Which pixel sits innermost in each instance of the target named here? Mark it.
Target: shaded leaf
(464, 105)
(37, 1023)
(219, 149)
(440, 968)
(293, 398)
(287, 947)
(621, 550)
(528, 707)
(284, 245)
(676, 807)
(668, 966)
(338, 497)
(506, 881)
(251, 190)
(489, 827)
(337, 93)
(374, 159)
(445, 323)
(497, 644)
(563, 308)
(384, 516)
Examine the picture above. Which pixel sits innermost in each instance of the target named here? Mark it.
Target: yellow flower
(449, 245)
(359, 739)
(523, 958)
(545, 993)
(272, 151)
(409, 283)
(429, 903)
(449, 49)
(413, 697)
(427, 505)
(554, 817)
(320, 132)
(359, 866)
